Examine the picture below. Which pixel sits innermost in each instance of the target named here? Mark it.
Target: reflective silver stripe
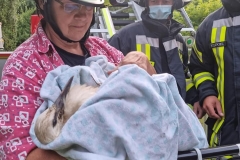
(236, 21)
(222, 22)
(141, 39)
(180, 45)
(169, 45)
(143, 48)
(228, 22)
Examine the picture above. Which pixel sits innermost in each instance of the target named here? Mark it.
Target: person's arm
(202, 69)
(21, 81)
(39, 154)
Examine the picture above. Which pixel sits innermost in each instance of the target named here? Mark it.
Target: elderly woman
(62, 37)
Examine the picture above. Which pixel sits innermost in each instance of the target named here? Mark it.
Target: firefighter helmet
(95, 3)
(231, 5)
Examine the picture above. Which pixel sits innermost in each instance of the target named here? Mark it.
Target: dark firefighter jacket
(215, 66)
(164, 47)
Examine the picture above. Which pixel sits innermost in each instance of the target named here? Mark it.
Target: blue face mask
(160, 11)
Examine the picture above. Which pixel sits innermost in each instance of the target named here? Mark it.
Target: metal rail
(210, 152)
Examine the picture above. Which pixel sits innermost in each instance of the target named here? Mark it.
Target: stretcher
(215, 152)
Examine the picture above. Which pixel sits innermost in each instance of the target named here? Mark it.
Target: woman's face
(72, 18)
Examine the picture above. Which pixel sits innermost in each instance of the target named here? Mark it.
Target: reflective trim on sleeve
(201, 77)
(189, 84)
(198, 53)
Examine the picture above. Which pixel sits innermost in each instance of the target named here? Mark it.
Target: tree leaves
(15, 18)
(198, 10)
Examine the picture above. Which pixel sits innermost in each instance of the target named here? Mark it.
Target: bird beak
(59, 103)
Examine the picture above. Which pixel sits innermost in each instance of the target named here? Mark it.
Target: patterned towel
(133, 115)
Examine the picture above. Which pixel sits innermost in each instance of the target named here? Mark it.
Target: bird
(49, 123)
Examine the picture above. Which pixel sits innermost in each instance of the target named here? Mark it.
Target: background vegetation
(15, 17)
(198, 10)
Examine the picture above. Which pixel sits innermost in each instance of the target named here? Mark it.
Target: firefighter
(214, 64)
(157, 35)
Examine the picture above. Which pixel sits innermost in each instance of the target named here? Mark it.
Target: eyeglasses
(70, 7)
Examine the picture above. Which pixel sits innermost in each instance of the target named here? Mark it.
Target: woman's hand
(40, 154)
(139, 59)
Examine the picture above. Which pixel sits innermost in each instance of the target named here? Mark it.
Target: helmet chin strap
(48, 16)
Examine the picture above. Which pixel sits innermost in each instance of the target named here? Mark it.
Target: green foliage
(15, 18)
(8, 17)
(198, 10)
(23, 25)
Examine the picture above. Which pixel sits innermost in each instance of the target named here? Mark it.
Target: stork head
(49, 123)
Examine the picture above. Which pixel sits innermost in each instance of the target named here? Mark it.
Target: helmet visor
(94, 3)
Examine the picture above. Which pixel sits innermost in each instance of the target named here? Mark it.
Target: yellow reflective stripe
(107, 21)
(189, 105)
(228, 157)
(147, 51)
(180, 55)
(219, 35)
(201, 77)
(152, 63)
(222, 158)
(107, 3)
(189, 84)
(139, 47)
(198, 53)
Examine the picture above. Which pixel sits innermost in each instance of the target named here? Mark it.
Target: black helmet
(177, 4)
(231, 5)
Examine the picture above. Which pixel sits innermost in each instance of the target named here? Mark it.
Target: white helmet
(94, 3)
(47, 13)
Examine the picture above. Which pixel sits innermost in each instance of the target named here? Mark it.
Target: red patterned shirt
(22, 77)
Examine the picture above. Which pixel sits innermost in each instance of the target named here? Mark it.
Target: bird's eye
(54, 122)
